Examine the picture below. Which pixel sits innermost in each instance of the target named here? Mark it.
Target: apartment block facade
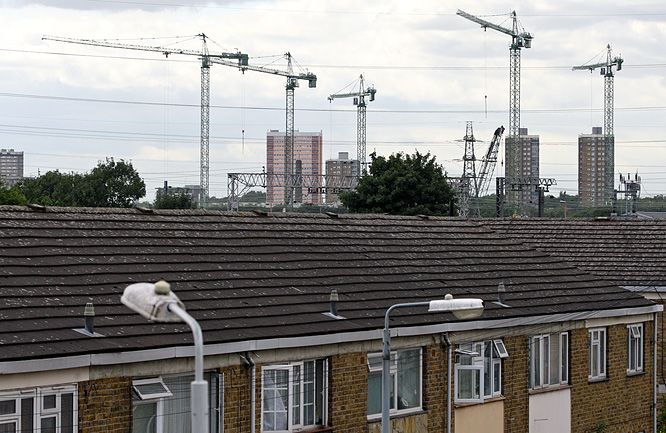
(596, 167)
(11, 166)
(307, 161)
(342, 166)
(521, 159)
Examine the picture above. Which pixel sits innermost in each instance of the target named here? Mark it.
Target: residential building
(343, 166)
(557, 349)
(11, 167)
(307, 161)
(521, 159)
(596, 168)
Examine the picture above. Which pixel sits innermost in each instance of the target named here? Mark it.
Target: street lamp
(463, 309)
(156, 302)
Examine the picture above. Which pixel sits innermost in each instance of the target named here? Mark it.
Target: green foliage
(599, 427)
(13, 195)
(401, 185)
(173, 201)
(661, 419)
(110, 184)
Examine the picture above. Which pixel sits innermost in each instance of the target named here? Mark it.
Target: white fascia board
(292, 342)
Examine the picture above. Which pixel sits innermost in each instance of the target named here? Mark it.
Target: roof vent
(89, 324)
(501, 290)
(333, 313)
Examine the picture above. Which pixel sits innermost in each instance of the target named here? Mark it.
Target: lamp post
(156, 302)
(467, 308)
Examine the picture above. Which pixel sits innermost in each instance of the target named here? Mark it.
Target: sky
(70, 106)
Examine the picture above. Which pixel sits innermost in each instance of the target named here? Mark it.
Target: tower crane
(606, 69)
(292, 83)
(359, 100)
(488, 162)
(519, 39)
(206, 58)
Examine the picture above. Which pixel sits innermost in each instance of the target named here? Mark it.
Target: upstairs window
(597, 343)
(549, 360)
(635, 350)
(478, 370)
(294, 396)
(46, 410)
(406, 386)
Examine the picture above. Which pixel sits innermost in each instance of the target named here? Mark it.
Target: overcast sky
(68, 106)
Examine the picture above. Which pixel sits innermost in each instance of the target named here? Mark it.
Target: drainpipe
(449, 382)
(253, 391)
(654, 376)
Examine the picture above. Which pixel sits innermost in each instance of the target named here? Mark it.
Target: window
(635, 351)
(47, 410)
(405, 370)
(162, 404)
(597, 342)
(478, 372)
(294, 395)
(549, 360)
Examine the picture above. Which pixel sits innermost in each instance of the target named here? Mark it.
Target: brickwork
(105, 405)
(237, 399)
(349, 393)
(435, 383)
(515, 370)
(621, 402)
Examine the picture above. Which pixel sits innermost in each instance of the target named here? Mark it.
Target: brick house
(557, 350)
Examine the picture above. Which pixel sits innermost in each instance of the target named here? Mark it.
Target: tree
(402, 185)
(178, 200)
(110, 184)
(13, 195)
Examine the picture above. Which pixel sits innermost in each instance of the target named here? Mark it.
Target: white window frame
(598, 344)
(136, 383)
(378, 367)
(478, 364)
(544, 345)
(635, 337)
(38, 411)
(290, 367)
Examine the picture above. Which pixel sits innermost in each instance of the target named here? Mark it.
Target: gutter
(102, 359)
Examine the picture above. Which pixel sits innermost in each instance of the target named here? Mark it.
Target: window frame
(291, 367)
(395, 373)
(600, 346)
(154, 395)
(547, 365)
(476, 351)
(37, 411)
(638, 340)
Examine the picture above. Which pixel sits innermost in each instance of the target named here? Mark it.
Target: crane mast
(488, 162)
(205, 56)
(519, 39)
(606, 69)
(359, 100)
(292, 83)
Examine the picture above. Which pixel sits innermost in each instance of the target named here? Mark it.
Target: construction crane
(519, 39)
(488, 163)
(606, 69)
(292, 83)
(206, 58)
(359, 100)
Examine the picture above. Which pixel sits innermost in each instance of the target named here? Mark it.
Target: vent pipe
(500, 292)
(89, 316)
(334, 302)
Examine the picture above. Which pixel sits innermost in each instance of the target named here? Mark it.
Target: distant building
(595, 168)
(11, 167)
(343, 166)
(194, 191)
(307, 161)
(521, 159)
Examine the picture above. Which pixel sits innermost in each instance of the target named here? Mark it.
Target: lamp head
(152, 301)
(463, 309)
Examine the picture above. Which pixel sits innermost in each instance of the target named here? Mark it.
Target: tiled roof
(626, 252)
(245, 276)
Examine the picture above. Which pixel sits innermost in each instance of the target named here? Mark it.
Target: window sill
(317, 429)
(597, 379)
(396, 415)
(474, 403)
(549, 389)
(635, 373)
